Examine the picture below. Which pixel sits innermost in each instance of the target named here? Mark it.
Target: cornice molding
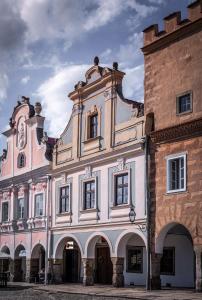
(178, 132)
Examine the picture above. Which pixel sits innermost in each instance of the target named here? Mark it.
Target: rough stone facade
(173, 65)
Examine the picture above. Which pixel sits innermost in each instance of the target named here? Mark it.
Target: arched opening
(132, 248)
(68, 257)
(37, 261)
(4, 259)
(177, 266)
(103, 263)
(20, 264)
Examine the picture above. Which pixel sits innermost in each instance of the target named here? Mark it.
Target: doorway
(20, 264)
(104, 268)
(71, 263)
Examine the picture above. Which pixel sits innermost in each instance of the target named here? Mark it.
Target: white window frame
(20, 217)
(70, 197)
(83, 193)
(168, 159)
(178, 113)
(3, 221)
(115, 174)
(35, 196)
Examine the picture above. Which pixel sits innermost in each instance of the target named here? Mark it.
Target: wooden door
(104, 268)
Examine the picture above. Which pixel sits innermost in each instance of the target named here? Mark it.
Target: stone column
(88, 271)
(198, 253)
(57, 270)
(28, 269)
(118, 267)
(156, 280)
(11, 269)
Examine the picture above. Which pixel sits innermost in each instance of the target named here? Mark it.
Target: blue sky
(47, 45)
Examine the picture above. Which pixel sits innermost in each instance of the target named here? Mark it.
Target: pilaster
(198, 253)
(156, 280)
(118, 267)
(89, 266)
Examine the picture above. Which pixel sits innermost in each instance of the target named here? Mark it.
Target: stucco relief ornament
(21, 136)
(121, 164)
(88, 172)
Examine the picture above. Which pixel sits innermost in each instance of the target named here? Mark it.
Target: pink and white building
(24, 188)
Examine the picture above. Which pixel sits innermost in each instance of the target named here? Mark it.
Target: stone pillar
(198, 253)
(11, 269)
(89, 267)
(28, 269)
(57, 270)
(118, 266)
(156, 280)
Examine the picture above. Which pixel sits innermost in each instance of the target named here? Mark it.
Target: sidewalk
(78, 291)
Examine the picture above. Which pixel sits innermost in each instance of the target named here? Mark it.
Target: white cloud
(129, 53)
(106, 54)
(57, 106)
(53, 93)
(3, 87)
(133, 83)
(25, 79)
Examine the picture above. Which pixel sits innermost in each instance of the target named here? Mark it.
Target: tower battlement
(173, 24)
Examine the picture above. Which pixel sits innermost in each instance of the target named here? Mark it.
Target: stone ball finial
(38, 108)
(115, 65)
(25, 99)
(96, 60)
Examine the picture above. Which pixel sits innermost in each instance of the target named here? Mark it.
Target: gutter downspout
(148, 206)
(48, 201)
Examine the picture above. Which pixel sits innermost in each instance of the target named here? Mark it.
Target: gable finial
(96, 60)
(115, 65)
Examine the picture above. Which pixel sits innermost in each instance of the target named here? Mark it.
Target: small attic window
(21, 160)
(93, 126)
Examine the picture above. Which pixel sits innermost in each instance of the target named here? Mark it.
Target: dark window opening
(93, 122)
(64, 199)
(21, 160)
(135, 259)
(168, 261)
(89, 194)
(184, 103)
(121, 189)
(4, 211)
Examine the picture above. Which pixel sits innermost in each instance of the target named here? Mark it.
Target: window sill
(176, 192)
(88, 210)
(184, 113)
(66, 213)
(120, 206)
(89, 140)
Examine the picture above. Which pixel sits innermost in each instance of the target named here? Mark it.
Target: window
(184, 103)
(168, 261)
(176, 174)
(21, 208)
(4, 211)
(21, 160)
(39, 205)
(89, 194)
(135, 259)
(64, 199)
(121, 189)
(93, 126)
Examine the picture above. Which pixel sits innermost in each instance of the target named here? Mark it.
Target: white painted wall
(138, 181)
(184, 262)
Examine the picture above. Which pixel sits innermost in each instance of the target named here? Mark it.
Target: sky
(46, 46)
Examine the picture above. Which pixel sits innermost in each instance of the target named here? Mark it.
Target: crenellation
(195, 10)
(173, 23)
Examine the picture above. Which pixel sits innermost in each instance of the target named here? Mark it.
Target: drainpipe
(147, 195)
(48, 201)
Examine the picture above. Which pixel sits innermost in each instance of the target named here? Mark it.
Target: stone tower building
(173, 108)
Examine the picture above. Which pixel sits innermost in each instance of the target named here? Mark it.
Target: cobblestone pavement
(78, 292)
